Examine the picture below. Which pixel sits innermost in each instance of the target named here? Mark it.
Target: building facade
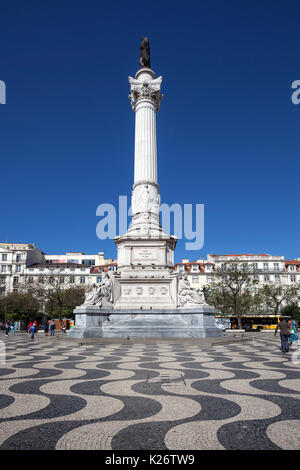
(269, 268)
(14, 260)
(23, 264)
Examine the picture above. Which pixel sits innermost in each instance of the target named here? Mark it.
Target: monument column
(145, 100)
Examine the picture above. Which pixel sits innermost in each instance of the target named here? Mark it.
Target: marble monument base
(93, 322)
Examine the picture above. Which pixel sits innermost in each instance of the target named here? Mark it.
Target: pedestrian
(12, 328)
(29, 327)
(46, 329)
(7, 328)
(52, 328)
(293, 327)
(283, 326)
(32, 330)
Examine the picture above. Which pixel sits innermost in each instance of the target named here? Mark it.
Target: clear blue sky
(228, 133)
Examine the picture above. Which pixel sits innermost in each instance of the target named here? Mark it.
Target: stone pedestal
(176, 323)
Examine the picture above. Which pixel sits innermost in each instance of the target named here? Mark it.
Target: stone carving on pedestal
(100, 293)
(145, 198)
(187, 296)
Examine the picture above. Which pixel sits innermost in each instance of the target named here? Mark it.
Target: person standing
(12, 328)
(32, 331)
(283, 326)
(52, 328)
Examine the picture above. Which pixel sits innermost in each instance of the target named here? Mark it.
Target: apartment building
(269, 268)
(14, 260)
(22, 264)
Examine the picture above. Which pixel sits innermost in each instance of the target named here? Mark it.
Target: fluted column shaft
(145, 153)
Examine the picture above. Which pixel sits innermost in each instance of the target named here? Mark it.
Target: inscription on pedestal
(145, 254)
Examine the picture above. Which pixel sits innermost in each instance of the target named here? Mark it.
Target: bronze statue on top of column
(145, 53)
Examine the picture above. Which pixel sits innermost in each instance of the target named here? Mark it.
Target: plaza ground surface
(61, 393)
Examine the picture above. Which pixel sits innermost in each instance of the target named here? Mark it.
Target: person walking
(46, 329)
(32, 331)
(7, 328)
(283, 326)
(293, 327)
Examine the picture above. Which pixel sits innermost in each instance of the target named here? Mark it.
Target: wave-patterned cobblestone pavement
(154, 395)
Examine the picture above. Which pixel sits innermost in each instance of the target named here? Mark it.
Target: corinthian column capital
(146, 91)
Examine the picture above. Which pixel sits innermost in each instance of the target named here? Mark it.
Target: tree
(63, 303)
(57, 296)
(234, 290)
(19, 306)
(275, 295)
(292, 310)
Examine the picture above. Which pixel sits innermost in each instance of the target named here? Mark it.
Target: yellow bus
(255, 322)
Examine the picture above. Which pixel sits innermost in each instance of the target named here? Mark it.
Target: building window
(61, 280)
(292, 268)
(82, 279)
(256, 277)
(255, 266)
(267, 278)
(195, 279)
(18, 258)
(88, 262)
(195, 268)
(18, 268)
(4, 257)
(266, 267)
(293, 278)
(72, 280)
(180, 267)
(99, 279)
(41, 280)
(209, 279)
(2, 279)
(277, 278)
(111, 268)
(15, 280)
(276, 266)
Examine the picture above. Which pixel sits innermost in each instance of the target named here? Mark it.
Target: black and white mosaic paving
(154, 395)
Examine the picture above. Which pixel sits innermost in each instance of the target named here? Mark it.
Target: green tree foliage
(18, 306)
(292, 310)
